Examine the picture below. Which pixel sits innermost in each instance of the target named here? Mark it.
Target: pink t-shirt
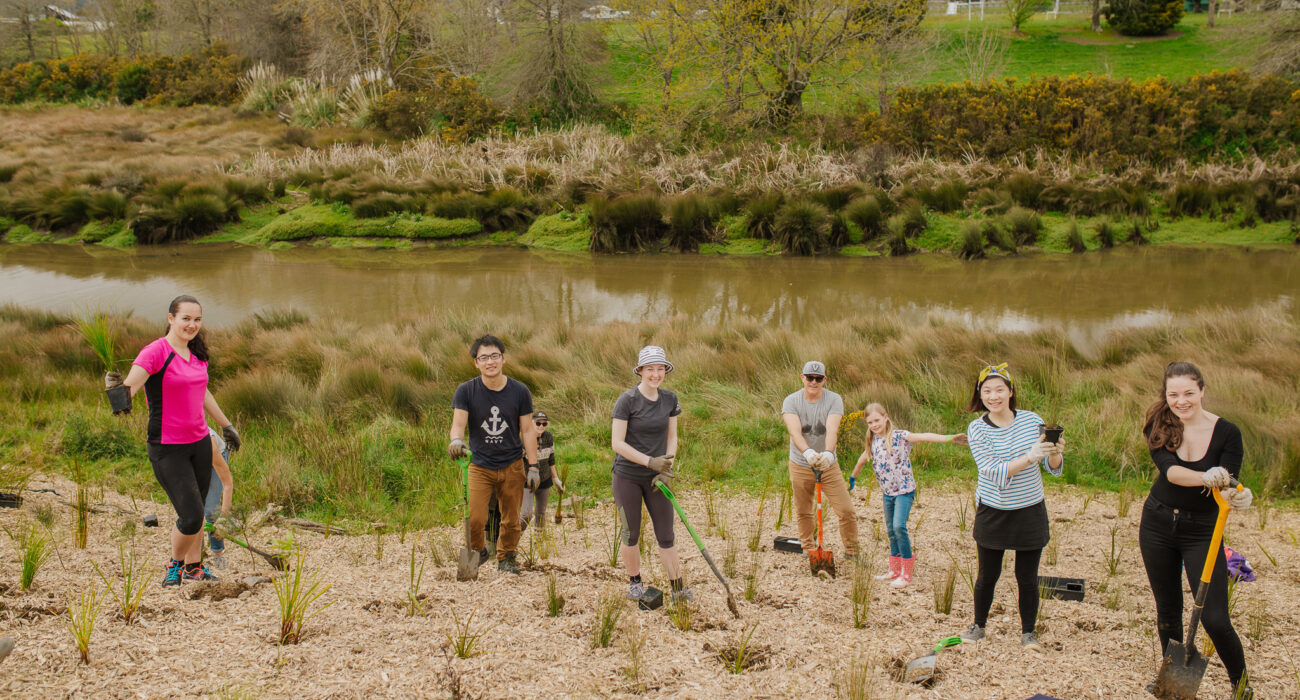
(175, 396)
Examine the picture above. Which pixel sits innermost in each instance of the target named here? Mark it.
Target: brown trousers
(803, 485)
(508, 486)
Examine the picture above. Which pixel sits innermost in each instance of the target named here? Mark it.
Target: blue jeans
(897, 508)
(212, 511)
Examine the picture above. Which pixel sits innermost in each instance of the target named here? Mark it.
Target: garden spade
(467, 565)
(821, 559)
(921, 669)
(731, 602)
(1183, 667)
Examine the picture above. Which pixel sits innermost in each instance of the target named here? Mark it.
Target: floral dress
(891, 458)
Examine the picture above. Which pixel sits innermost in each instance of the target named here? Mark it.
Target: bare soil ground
(364, 645)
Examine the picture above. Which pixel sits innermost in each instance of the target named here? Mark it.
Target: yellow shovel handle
(1217, 538)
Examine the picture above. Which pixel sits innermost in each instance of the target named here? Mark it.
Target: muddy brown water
(1087, 295)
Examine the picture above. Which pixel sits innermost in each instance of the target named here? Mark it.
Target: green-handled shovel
(467, 565)
(922, 669)
(731, 602)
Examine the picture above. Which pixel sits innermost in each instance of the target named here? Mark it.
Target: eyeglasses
(489, 358)
(814, 378)
(541, 424)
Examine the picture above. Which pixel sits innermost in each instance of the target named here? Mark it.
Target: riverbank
(345, 421)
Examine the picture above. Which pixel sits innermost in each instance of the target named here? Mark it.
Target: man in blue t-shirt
(498, 411)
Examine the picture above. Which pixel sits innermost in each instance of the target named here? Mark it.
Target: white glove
(1038, 452)
(1237, 500)
(1216, 478)
(828, 460)
(812, 457)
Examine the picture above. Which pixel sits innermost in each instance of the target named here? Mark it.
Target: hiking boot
(635, 590)
(198, 573)
(1029, 641)
(974, 633)
(217, 561)
(173, 575)
(508, 564)
(685, 594)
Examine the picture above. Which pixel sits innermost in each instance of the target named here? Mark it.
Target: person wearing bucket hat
(173, 372)
(1010, 512)
(644, 439)
(497, 413)
(535, 499)
(812, 418)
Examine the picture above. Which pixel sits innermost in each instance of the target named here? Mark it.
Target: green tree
(1143, 17)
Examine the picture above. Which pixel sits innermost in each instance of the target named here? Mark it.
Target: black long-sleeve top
(1225, 451)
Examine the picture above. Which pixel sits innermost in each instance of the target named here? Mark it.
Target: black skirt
(1023, 529)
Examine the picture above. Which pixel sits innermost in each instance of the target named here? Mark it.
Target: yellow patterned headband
(997, 371)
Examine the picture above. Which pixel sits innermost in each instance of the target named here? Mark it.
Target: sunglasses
(541, 424)
(814, 378)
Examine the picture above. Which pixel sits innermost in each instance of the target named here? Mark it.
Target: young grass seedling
(681, 614)
(45, 516)
(860, 593)
(1123, 501)
(1114, 595)
(99, 334)
(465, 640)
(135, 578)
(1116, 550)
(729, 558)
(617, 540)
(414, 604)
(752, 577)
(83, 516)
(963, 512)
(34, 548)
(609, 608)
(1270, 558)
(634, 639)
(944, 589)
(1257, 620)
(554, 599)
(298, 593)
(739, 656)
(82, 612)
(856, 680)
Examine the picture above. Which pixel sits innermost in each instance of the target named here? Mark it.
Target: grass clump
(761, 215)
(609, 608)
(554, 598)
(681, 614)
(466, 640)
(741, 654)
(866, 213)
(625, 223)
(943, 590)
(34, 549)
(135, 575)
(856, 679)
(1023, 225)
(298, 594)
(98, 332)
(690, 222)
(860, 593)
(1074, 238)
(972, 241)
(82, 613)
(1105, 235)
(801, 227)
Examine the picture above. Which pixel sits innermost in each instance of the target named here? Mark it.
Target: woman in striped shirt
(1010, 454)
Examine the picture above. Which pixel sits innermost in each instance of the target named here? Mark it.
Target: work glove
(534, 478)
(226, 525)
(812, 457)
(231, 436)
(559, 485)
(112, 379)
(457, 449)
(1038, 452)
(661, 464)
(1216, 478)
(1058, 447)
(828, 459)
(1238, 500)
(664, 478)
(853, 481)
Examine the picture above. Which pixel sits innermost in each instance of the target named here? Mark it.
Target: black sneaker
(508, 564)
(482, 556)
(173, 575)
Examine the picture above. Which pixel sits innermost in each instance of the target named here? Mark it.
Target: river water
(1087, 295)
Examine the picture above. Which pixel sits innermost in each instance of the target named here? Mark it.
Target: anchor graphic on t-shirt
(494, 427)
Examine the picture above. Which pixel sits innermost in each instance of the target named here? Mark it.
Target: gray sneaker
(1029, 641)
(635, 590)
(974, 633)
(6, 646)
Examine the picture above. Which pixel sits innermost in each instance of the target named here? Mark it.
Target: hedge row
(212, 78)
(1229, 114)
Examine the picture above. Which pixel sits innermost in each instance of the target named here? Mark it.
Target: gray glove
(662, 464)
(231, 436)
(1238, 500)
(1216, 478)
(812, 457)
(828, 459)
(664, 478)
(112, 379)
(533, 479)
(457, 449)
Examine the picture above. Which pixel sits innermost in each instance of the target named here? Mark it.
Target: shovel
(279, 562)
(467, 565)
(731, 602)
(921, 669)
(1183, 667)
(821, 559)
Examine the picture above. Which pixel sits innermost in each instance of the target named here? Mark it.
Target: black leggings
(628, 496)
(184, 472)
(990, 568)
(1171, 542)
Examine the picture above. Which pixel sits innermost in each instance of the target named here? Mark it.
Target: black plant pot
(119, 397)
(11, 500)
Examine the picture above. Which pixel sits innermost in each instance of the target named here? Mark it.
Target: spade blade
(1180, 673)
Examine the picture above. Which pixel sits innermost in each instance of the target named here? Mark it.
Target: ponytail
(199, 345)
(1163, 429)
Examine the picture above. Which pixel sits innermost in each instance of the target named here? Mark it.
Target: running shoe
(1029, 641)
(508, 565)
(685, 594)
(635, 590)
(217, 561)
(199, 573)
(974, 633)
(173, 575)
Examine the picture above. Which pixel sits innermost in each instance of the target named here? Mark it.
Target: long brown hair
(198, 345)
(1163, 428)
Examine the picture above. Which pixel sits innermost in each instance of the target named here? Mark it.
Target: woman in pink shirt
(173, 372)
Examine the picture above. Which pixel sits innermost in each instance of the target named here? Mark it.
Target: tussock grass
(554, 598)
(943, 590)
(34, 549)
(609, 608)
(135, 575)
(83, 610)
(465, 639)
(298, 594)
(860, 593)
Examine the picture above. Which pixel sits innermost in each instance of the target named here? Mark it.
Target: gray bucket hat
(651, 355)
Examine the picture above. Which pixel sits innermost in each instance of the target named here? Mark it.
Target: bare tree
(463, 34)
(1096, 16)
(981, 52)
(352, 36)
(901, 55)
(1274, 34)
(552, 56)
(123, 24)
(24, 16)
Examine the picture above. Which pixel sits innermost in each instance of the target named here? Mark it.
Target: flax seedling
(634, 640)
(34, 548)
(465, 639)
(752, 577)
(681, 615)
(99, 334)
(739, 656)
(298, 593)
(860, 594)
(1116, 551)
(135, 575)
(609, 608)
(414, 603)
(554, 599)
(944, 588)
(82, 613)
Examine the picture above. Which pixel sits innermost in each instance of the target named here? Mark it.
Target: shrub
(762, 214)
(912, 216)
(1105, 235)
(452, 108)
(896, 241)
(132, 83)
(1023, 224)
(690, 221)
(801, 227)
(1074, 238)
(972, 241)
(867, 214)
(627, 222)
(1143, 17)
(998, 236)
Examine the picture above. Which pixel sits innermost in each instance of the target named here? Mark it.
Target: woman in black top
(1194, 450)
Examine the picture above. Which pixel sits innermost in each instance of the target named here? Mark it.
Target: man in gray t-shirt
(812, 418)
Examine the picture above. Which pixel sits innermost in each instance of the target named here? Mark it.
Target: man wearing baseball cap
(812, 417)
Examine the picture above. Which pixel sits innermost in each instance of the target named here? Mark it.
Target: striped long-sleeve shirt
(994, 449)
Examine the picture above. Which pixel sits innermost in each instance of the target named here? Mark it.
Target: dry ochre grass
(365, 645)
